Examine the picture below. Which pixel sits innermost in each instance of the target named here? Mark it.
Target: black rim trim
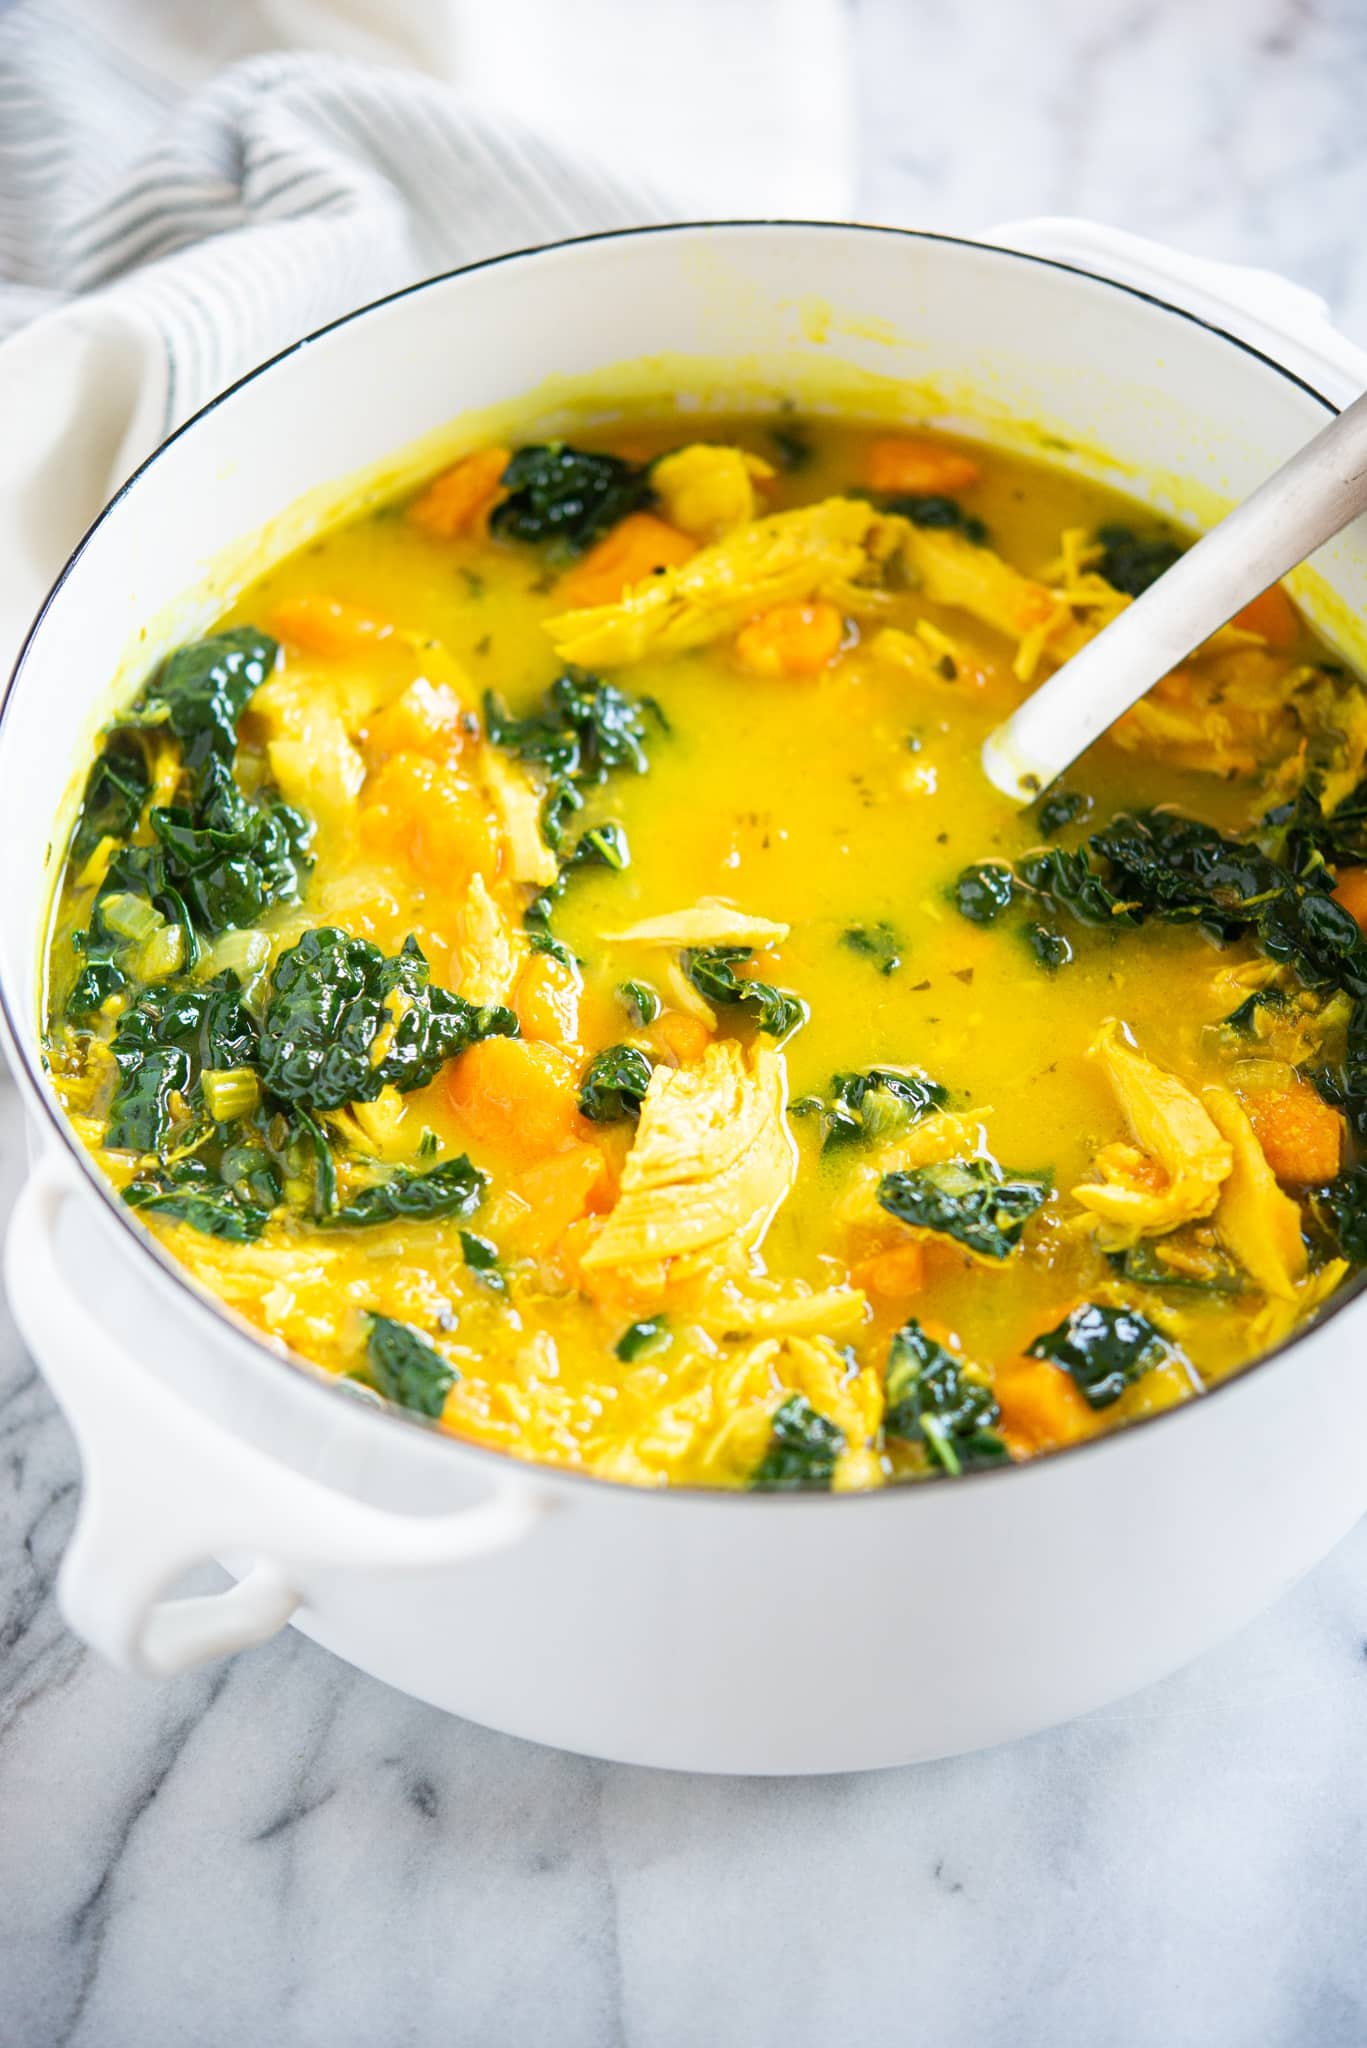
(304, 1370)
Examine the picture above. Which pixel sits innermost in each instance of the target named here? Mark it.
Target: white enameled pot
(703, 1631)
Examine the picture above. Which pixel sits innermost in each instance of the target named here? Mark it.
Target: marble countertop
(282, 1851)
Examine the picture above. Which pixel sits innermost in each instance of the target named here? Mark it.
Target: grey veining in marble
(283, 1852)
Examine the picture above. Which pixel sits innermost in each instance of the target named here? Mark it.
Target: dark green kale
(984, 891)
(639, 1000)
(1132, 561)
(189, 1192)
(566, 497)
(936, 511)
(614, 1085)
(930, 1399)
(330, 999)
(116, 789)
(1070, 883)
(878, 942)
(792, 446)
(1243, 1020)
(1058, 808)
(971, 1200)
(645, 1339)
(204, 688)
(866, 1107)
(229, 859)
(1051, 949)
(405, 1367)
(712, 971)
(1339, 1212)
(803, 1450)
(481, 1258)
(161, 1046)
(1104, 1350)
(587, 731)
(1150, 1264)
(455, 1188)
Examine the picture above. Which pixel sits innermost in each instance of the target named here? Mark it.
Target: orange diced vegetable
(894, 1274)
(426, 719)
(1041, 1408)
(324, 625)
(460, 500)
(1273, 616)
(682, 1037)
(561, 1190)
(416, 810)
(521, 1097)
(1301, 1136)
(1351, 891)
(640, 546)
(791, 639)
(917, 467)
(547, 1001)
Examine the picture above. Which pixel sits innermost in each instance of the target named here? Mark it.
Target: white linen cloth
(163, 230)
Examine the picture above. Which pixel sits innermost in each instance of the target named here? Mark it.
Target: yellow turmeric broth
(731, 1088)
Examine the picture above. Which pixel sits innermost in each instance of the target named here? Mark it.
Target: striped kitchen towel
(161, 233)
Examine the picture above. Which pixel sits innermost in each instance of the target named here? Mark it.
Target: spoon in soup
(1303, 504)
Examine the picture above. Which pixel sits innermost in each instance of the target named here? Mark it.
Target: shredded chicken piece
(748, 1306)
(489, 957)
(952, 571)
(1171, 1131)
(313, 757)
(708, 491)
(1258, 1224)
(788, 556)
(712, 1160)
(708, 922)
(518, 802)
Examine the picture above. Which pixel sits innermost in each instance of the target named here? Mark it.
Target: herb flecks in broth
(435, 937)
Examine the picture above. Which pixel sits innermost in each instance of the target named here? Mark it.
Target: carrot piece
(920, 468)
(1301, 1136)
(560, 1191)
(683, 1038)
(547, 1001)
(896, 1273)
(418, 811)
(460, 500)
(1272, 616)
(639, 546)
(1351, 891)
(521, 1097)
(324, 625)
(791, 639)
(426, 719)
(1041, 1408)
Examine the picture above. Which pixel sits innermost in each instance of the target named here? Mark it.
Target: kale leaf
(567, 496)
(935, 511)
(115, 791)
(406, 1368)
(639, 1000)
(872, 1105)
(162, 1045)
(878, 942)
(587, 730)
(204, 688)
(930, 1399)
(614, 1085)
(712, 971)
(803, 1449)
(1104, 1350)
(644, 1339)
(984, 890)
(1058, 808)
(1131, 561)
(190, 1193)
(970, 1200)
(481, 1259)
(229, 859)
(1050, 948)
(455, 1188)
(331, 999)
(1339, 1209)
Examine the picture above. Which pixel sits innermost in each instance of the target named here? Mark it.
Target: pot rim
(303, 1371)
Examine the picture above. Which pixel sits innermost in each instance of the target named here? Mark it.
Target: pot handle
(164, 1488)
(1266, 308)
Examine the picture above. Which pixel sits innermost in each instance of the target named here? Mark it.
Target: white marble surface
(283, 1852)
